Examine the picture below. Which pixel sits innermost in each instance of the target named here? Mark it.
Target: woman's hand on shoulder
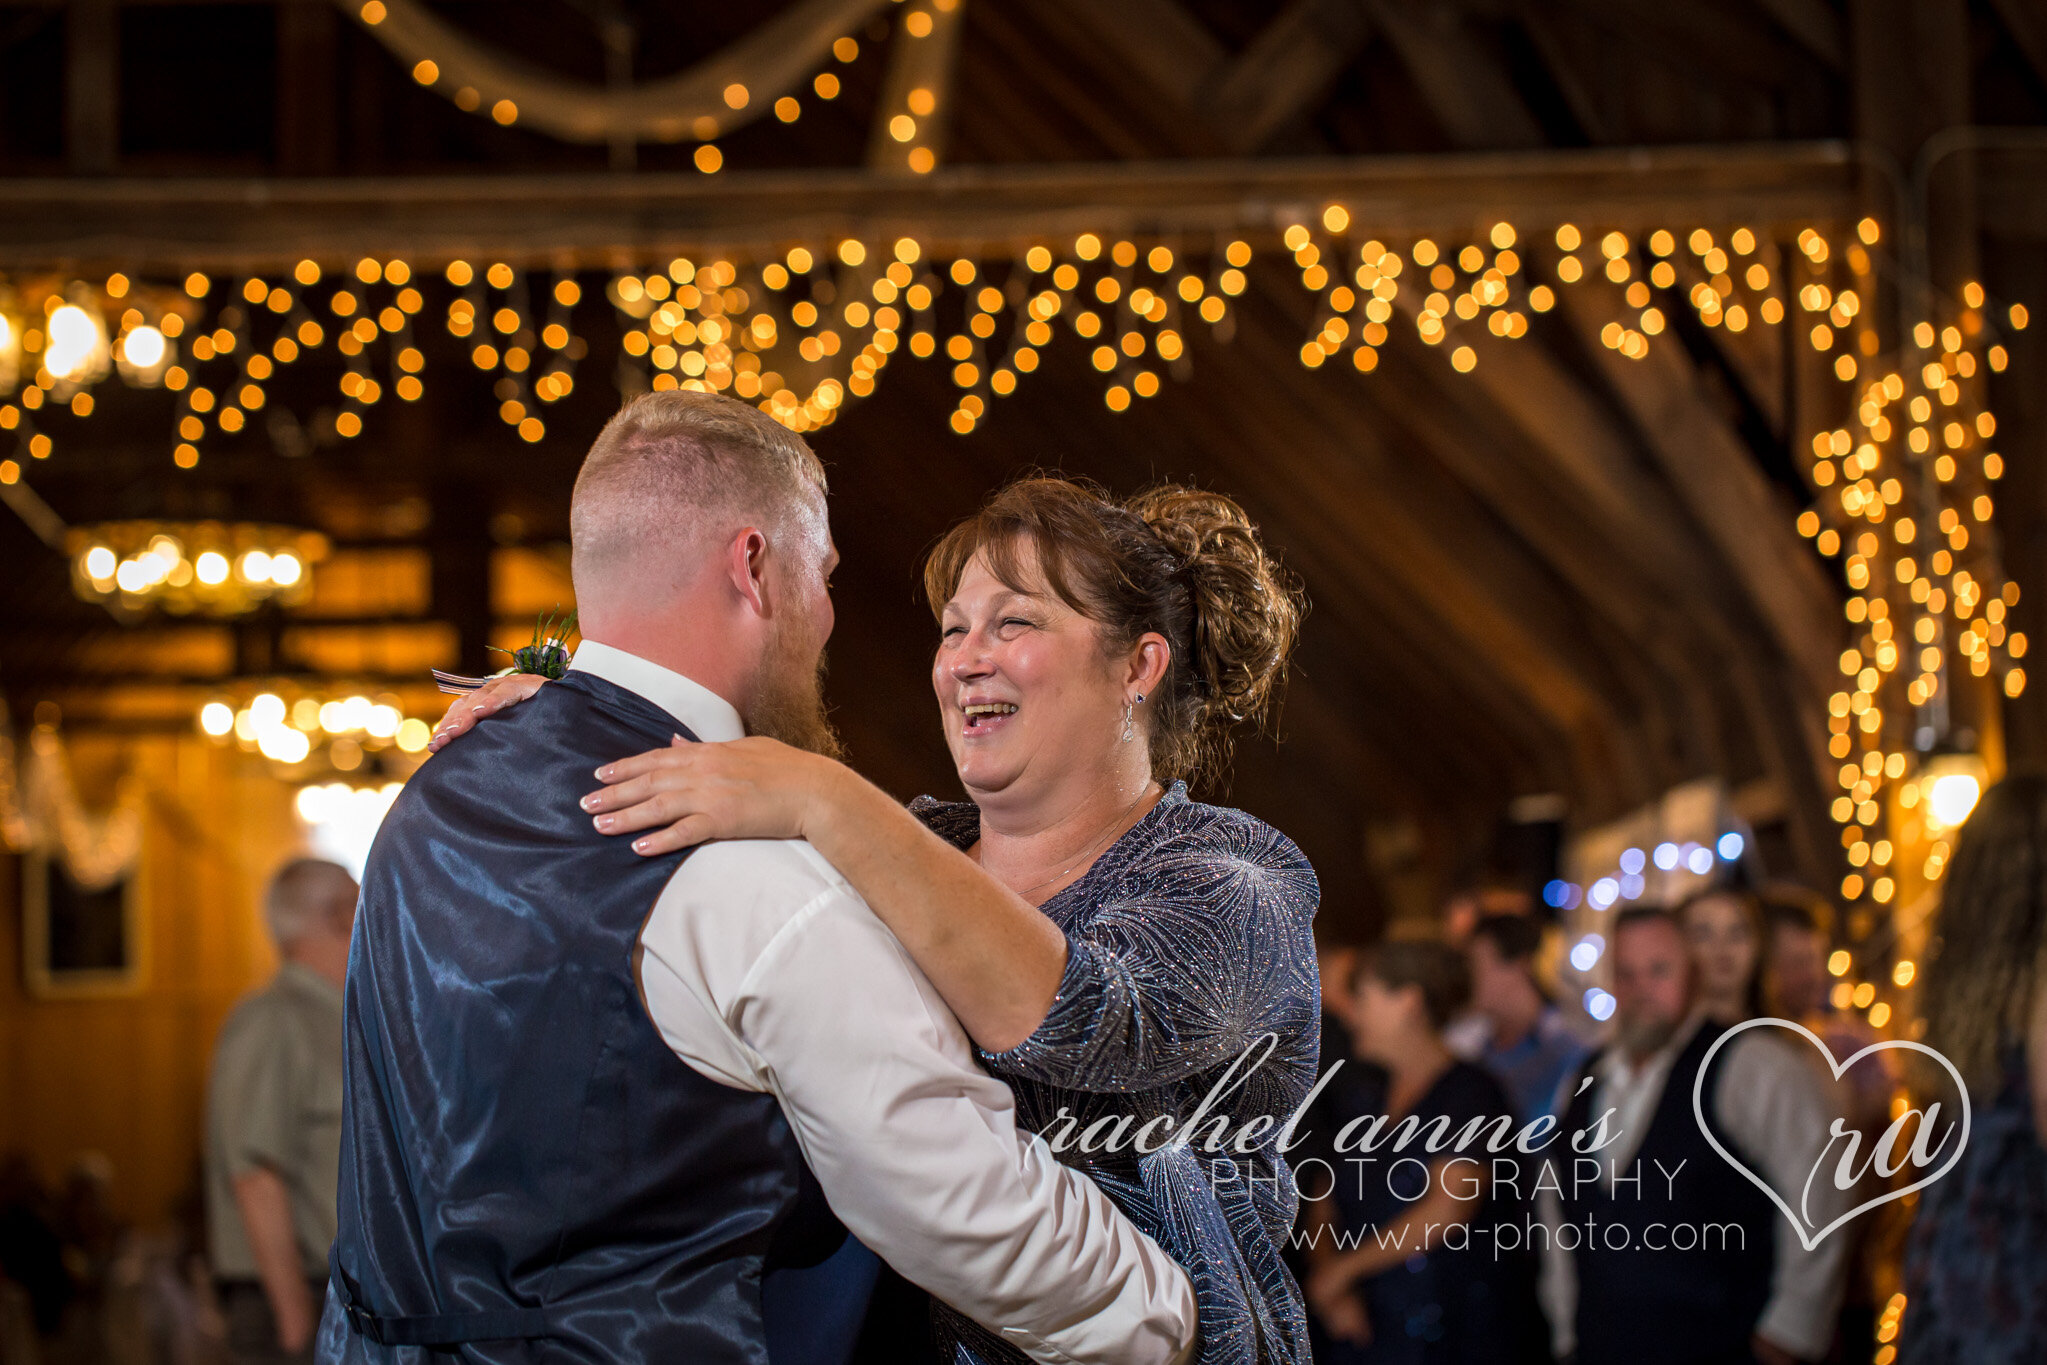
(754, 788)
(487, 700)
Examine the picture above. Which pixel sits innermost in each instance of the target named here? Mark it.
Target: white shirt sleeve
(764, 970)
(1768, 1100)
(1556, 1279)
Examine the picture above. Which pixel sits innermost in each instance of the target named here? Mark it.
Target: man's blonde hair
(676, 465)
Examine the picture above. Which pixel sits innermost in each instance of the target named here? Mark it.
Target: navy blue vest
(527, 1171)
(1695, 1306)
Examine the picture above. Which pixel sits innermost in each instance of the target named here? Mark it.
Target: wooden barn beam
(1479, 720)
(2026, 22)
(1558, 38)
(228, 224)
(1708, 37)
(1717, 478)
(1224, 102)
(1484, 448)
(1817, 27)
(92, 83)
(1158, 40)
(1342, 485)
(1051, 101)
(1462, 81)
(1636, 515)
(1578, 623)
(1751, 529)
(1286, 71)
(921, 56)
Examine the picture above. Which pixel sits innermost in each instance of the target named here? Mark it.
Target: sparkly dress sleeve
(1189, 941)
(1176, 972)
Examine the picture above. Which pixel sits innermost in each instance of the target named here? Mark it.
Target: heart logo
(1812, 1240)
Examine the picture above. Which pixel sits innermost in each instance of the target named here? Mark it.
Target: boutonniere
(548, 655)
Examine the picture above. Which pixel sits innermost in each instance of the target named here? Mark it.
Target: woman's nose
(971, 660)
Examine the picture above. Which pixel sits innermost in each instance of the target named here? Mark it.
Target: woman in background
(1422, 1281)
(1723, 930)
(1976, 1264)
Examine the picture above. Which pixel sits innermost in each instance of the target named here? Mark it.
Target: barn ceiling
(1564, 572)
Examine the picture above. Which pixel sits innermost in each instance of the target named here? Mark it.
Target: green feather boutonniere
(548, 655)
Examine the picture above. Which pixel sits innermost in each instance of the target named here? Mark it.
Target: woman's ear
(1150, 657)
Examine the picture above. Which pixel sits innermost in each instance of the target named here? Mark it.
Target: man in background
(273, 1122)
(1795, 976)
(1691, 1263)
(1526, 1045)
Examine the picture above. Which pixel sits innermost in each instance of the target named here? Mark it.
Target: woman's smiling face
(1025, 692)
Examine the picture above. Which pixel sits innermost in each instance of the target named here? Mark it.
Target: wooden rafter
(1715, 475)
(226, 224)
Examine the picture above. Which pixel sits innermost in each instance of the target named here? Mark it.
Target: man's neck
(1670, 1046)
(324, 958)
(718, 670)
(1516, 1019)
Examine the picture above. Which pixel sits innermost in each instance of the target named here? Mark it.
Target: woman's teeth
(983, 711)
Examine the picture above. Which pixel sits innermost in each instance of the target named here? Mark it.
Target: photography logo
(1903, 1144)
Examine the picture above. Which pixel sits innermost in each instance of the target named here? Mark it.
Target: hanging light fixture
(1950, 785)
(10, 347)
(144, 353)
(343, 732)
(212, 568)
(75, 350)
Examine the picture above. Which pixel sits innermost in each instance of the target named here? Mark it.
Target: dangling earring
(1129, 731)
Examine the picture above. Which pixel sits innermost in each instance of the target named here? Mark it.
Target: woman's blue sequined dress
(1189, 941)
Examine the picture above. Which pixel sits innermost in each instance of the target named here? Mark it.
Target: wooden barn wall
(124, 1075)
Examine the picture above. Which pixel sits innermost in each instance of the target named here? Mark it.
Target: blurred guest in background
(273, 1139)
(1338, 948)
(1744, 1289)
(1420, 1279)
(31, 1248)
(1795, 976)
(1723, 929)
(1493, 893)
(1525, 1043)
(1976, 1265)
(1795, 987)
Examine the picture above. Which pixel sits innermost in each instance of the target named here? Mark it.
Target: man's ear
(746, 565)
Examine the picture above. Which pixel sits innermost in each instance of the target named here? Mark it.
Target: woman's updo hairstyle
(1175, 560)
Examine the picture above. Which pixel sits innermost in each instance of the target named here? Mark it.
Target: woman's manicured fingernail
(639, 845)
(604, 773)
(605, 822)
(591, 802)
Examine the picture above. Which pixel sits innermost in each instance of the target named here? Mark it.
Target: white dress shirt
(1768, 1100)
(764, 970)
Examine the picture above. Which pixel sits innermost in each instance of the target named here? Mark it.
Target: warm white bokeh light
(143, 347)
(75, 338)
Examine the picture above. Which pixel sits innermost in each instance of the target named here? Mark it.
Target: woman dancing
(1117, 950)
